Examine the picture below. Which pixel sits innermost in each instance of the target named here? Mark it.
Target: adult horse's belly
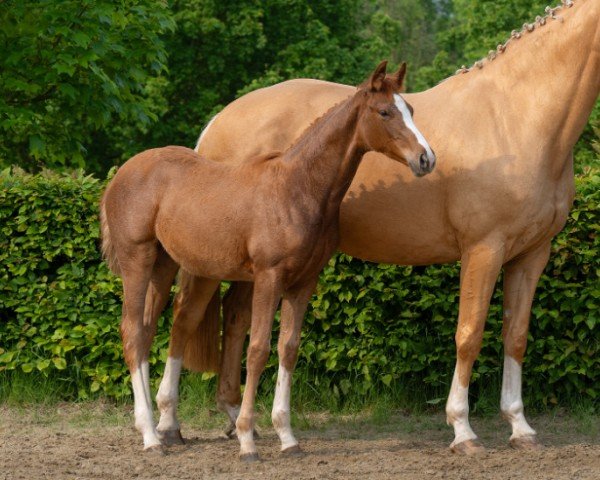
(388, 214)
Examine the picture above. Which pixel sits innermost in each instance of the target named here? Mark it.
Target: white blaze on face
(410, 124)
(204, 132)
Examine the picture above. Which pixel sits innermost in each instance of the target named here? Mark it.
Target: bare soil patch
(68, 443)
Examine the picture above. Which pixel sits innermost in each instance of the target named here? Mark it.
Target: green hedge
(368, 327)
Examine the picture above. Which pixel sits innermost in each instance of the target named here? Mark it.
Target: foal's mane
(550, 13)
(308, 135)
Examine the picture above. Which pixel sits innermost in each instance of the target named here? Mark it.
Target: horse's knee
(258, 354)
(288, 352)
(468, 343)
(515, 346)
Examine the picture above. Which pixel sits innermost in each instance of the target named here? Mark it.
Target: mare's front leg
(266, 296)
(521, 276)
(190, 305)
(479, 270)
(293, 309)
(237, 315)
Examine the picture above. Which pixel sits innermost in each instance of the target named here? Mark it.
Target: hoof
(468, 447)
(527, 442)
(231, 433)
(293, 451)
(249, 457)
(155, 450)
(171, 437)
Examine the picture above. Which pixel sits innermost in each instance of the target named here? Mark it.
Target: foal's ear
(375, 81)
(398, 78)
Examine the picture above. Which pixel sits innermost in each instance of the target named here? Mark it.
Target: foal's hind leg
(521, 276)
(189, 312)
(143, 267)
(293, 308)
(237, 314)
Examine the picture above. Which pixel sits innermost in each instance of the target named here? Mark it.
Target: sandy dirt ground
(69, 445)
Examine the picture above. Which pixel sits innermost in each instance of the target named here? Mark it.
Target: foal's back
(211, 217)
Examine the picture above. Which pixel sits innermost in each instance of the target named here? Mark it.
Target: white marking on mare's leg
(247, 445)
(281, 409)
(410, 124)
(511, 403)
(457, 411)
(204, 130)
(168, 395)
(143, 406)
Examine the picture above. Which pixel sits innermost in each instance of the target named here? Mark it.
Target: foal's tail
(202, 351)
(108, 249)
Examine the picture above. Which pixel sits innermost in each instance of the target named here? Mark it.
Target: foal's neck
(325, 158)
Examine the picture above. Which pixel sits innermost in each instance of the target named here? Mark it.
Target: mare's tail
(203, 349)
(108, 249)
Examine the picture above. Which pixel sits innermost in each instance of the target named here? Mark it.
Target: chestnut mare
(504, 132)
(273, 220)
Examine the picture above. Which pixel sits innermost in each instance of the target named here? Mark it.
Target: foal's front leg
(292, 316)
(267, 293)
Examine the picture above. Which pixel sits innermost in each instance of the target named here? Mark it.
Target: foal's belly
(203, 244)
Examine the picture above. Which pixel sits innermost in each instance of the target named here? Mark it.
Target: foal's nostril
(423, 162)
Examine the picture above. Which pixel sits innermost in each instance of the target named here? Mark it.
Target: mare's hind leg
(191, 303)
(521, 276)
(237, 315)
(479, 270)
(293, 308)
(142, 266)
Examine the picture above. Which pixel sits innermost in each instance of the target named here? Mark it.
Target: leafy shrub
(368, 327)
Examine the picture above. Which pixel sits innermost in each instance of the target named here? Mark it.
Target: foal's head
(386, 123)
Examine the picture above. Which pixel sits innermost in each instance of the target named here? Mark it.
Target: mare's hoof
(249, 457)
(527, 442)
(293, 451)
(171, 437)
(468, 447)
(155, 450)
(231, 433)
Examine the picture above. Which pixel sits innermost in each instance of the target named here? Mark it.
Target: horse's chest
(301, 250)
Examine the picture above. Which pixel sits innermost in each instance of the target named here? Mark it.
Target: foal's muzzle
(424, 165)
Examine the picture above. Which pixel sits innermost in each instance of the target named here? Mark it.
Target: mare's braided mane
(550, 13)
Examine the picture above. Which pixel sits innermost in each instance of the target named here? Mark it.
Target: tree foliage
(69, 69)
(90, 83)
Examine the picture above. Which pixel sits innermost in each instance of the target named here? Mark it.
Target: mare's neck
(324, 160)
(542, 89)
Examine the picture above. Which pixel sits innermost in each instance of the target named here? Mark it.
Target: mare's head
(386, 123)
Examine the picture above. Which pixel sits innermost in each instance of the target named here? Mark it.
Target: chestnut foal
(273, 220)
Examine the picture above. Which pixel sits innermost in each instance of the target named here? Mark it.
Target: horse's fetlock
(511, 410)
(244, 424)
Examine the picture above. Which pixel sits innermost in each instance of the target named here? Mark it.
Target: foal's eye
(384, 113)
